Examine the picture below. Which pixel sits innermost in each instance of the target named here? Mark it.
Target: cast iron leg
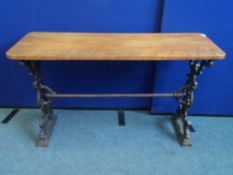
(181, 123)
(48, 118)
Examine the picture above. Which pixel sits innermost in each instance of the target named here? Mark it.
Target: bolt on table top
(115, 46)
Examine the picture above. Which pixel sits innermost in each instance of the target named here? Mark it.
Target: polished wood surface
(107, 46)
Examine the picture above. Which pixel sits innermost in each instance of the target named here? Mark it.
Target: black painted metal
(181, 123)
(10, 116)
(184, 97)
(43, 101)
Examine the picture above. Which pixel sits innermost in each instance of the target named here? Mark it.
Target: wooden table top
(113, 46)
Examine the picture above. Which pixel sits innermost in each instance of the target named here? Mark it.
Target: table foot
(185, 142)
(46, 133)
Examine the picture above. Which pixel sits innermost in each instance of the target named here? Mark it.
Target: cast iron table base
(184, 97)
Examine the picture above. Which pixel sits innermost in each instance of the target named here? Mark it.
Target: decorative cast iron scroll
(184, 97)
(186, 100)
(48, 118)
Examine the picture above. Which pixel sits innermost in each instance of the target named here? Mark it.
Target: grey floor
(89, 142)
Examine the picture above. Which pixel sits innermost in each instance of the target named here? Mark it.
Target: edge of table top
(218, 55)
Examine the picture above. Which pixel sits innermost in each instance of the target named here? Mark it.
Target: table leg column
(48, 118)
(180, 121)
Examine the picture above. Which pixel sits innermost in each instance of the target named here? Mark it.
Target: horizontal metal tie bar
(55, 95)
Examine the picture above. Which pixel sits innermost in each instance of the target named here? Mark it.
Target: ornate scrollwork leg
(48, 118)
(181, 124)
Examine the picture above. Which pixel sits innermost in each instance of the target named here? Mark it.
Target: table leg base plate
(185, 142)
(45, 142)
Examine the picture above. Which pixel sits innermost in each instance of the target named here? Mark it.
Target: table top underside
(114, 46)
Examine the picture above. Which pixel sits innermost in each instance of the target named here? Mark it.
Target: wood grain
(112, 46)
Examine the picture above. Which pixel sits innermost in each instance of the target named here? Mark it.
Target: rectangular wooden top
(113, 46)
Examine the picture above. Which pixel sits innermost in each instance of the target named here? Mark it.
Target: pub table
(38, 47)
